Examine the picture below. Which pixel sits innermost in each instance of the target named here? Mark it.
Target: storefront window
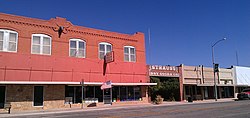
(90, 92)
(137, 93)
(115, 94)
(99, 93)
(131, 93)
(123, 92)
(73, 93)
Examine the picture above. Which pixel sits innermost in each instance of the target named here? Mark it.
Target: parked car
(245, 94)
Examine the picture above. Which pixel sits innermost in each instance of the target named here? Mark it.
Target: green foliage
(168, 88)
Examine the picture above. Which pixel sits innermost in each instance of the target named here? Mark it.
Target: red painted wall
(24, 66)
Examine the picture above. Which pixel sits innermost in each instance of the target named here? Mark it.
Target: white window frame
(105, 48)
(6, 34)
(41, 43)
(129, 53)
(77, 47)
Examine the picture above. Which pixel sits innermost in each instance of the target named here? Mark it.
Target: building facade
(43, 64)
(198, 82)
(168, 75)
(242, 78)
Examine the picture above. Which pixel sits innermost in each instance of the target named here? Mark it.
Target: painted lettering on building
(164, 71)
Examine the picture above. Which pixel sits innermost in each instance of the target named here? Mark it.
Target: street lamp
(215, 86)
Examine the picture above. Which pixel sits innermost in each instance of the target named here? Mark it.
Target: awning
(76, 83)
(216, 84)
(205, 84)
(225, 84)
(242, 85)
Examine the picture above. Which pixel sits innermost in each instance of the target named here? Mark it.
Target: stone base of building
(25, 98)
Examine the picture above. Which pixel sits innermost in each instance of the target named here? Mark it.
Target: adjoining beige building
(198, 82)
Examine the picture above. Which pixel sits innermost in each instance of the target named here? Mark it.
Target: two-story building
(198, 82)
(43, 64)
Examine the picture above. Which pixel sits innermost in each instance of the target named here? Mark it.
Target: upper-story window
(129, 53)
(104, 48)
(77, 48)
(8, 40)
(41, 44)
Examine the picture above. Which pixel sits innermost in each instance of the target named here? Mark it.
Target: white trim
(36, 82)
(41, 43)
(77, 47)
(73, 83)
(6, 34)
(217, 85)
(133, 84)
(129, 53)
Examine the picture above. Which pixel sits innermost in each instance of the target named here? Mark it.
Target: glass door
(107, 96)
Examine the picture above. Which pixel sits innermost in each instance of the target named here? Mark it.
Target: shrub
(158, 99)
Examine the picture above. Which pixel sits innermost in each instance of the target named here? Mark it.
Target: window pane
(73, 52)
(46, 49)
(13, 37)
(81, 45)
(132, 58)
(1, 36)
(132, 50)
(101, 47)
(36, 49)
(12, 46)
(109, 48)
(126, 50)
(101, 55)
(81, 53)
(1, 45)
(72, 44)
(46, 41)
(36, 40)
(126, 57)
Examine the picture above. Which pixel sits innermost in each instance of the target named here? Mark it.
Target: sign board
(109, 57)
(163, 71)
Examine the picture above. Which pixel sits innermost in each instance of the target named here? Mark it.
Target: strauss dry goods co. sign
(163, 71)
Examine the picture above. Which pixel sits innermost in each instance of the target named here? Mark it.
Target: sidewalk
(108, 107)
(198, 102)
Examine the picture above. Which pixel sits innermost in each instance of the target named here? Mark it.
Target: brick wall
(21, 97)
(59, 66)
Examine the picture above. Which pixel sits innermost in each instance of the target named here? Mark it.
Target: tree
(168, 88)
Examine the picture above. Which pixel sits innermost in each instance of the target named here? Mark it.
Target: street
(233, 109)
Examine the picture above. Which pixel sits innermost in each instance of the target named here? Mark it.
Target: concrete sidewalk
(108, 107)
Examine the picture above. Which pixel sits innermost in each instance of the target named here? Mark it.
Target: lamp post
(215, 86)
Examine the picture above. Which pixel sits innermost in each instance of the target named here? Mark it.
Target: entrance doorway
(2, 96)
(107, 96)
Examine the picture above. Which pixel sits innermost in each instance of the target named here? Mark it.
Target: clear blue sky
(182, 31)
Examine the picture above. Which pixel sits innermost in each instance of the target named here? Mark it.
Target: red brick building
(42, 68)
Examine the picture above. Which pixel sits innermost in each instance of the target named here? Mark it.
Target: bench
(7, 106)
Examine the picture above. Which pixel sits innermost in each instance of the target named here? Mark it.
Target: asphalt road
(233, 109)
